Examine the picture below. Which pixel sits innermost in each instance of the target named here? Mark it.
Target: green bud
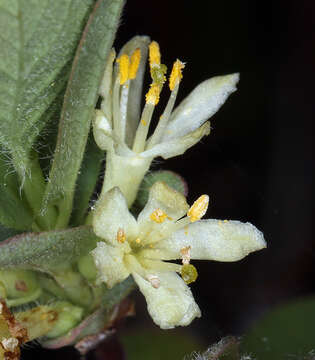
(172, 179)
(18, 287)
(68, 317)
(87, 267)
(38, 321)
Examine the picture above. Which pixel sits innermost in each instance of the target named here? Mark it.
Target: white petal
(106, 87)
(211, 240)
(110, 264)
(111, 213)
(102, 131)
(200, 105)
(178, 145)
(170, 305)
(135, 86)
(162, 197)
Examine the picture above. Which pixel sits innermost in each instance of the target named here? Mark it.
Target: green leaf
(38, 39)
(79, 104)
(285, 332)
(87, 180)
(46, 251)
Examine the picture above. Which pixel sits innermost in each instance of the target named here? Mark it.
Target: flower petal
(106, 87)
(110, 264)
(135, 86)
(177, 146)
(162, 197)
(111, 213)
(211, 240)
(172, 303)
(102, 131)
(200, 105)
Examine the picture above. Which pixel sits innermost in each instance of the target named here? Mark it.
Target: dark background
(256, 165)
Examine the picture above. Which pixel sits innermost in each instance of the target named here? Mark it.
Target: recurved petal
(200, 105)
(110, 264)
(111, 214)
(211, 240)
(177, 146)
(171, 202)
(172, 303)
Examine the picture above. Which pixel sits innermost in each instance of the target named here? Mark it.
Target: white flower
(122, 131)
(163, 232)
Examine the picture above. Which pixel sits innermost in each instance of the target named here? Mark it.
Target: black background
(256, 165)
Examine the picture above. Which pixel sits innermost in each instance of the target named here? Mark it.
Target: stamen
(134, 63)
(154, 54)
(158, 216)
(185, 252)
(153, 95)
(199, 208)
(121, 236)
(154, 281)
(164, 118)
(124, 64)
(189, 273)
(138, 240)
(176, 74)
(143, 128)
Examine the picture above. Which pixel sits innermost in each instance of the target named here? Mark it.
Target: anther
(121, 236)
(199, 208)
(124, 64)
(153, 95)
(154, 54)
(158, 216)
(134, 63)
(176, 74)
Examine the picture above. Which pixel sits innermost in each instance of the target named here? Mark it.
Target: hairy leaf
(38, 39)
(87, 180)
(47, 250)
(78, 107)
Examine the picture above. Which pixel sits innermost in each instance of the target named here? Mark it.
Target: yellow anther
(138, 240)
(143, 122)
(134, 63)
(121, 236)
(176, 74)
(153, 95)
(185, 253)
(225, 221)
(158, 216)
(199, 208)
(154, 54)
(124, 64)
(189, 273)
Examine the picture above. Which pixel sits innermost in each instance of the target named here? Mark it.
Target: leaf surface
(47, 250)
(38, 39)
